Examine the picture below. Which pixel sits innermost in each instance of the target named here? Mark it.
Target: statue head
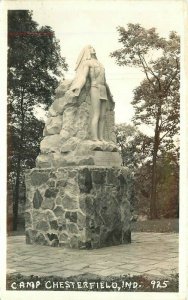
(86, 54)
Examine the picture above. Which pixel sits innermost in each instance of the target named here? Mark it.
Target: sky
(80, 23)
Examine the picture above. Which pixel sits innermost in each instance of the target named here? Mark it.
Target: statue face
(92, 50)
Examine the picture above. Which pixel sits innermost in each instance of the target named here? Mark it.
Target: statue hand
(75, 91)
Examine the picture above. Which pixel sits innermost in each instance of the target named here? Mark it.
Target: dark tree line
(136, 151)
(157, 99)
(34, 66)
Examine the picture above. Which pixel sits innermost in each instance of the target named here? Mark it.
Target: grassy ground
(159, 225)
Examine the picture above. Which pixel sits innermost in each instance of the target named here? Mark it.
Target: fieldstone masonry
(78, 207)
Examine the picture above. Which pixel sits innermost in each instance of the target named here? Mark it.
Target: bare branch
(145, 70)
(168, 86)
(153, 73)
(164, 135)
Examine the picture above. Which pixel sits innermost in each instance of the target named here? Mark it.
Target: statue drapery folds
(88, 66)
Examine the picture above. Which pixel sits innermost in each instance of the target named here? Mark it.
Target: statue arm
(109, 95)
(80, 80)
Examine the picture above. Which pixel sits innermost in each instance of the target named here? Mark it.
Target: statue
(88, 66)
(80, 122)
(77, 196)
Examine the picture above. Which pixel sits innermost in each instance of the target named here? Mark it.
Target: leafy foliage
(136, 152)
(34, 68)
(134, 145)
(135, 148)
(34, 60)
(157, 100)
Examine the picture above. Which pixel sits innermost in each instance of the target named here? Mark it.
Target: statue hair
(84, 55)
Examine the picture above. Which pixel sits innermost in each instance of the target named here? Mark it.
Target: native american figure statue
(78, 194)
(81, 119)
(88, 66)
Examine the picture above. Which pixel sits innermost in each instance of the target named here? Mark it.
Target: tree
(135, 149)
(168, 185)
(136, 152)
(34, 67)
(156, 100)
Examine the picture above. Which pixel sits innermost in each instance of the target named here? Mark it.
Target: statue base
(82, 207)
(77, 153)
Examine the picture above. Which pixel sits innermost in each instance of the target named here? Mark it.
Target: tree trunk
(153, 195)
(16, 196)
(17, 183)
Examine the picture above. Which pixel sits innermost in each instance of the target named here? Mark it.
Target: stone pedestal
(81, 207)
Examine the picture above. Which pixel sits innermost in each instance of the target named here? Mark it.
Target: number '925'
(159, 284)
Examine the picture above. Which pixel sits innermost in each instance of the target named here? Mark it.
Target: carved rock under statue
(77, 196)
(67, 134)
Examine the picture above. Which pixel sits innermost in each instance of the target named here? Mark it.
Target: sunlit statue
(79, 129)
(88, 66)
